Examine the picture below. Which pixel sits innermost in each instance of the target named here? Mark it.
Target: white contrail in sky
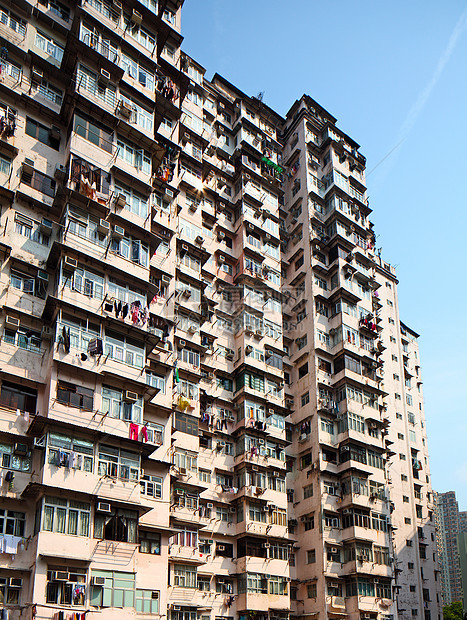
(423, 97)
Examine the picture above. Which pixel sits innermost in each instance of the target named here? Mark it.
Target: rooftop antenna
(260, 95)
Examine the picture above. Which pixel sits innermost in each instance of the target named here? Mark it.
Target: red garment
(144, 433)
(134, 428)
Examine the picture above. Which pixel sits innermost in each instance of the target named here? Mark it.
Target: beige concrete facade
(209, 406)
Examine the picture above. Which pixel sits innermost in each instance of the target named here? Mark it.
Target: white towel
(10, 543)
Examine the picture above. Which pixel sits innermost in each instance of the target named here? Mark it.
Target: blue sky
(393, 73)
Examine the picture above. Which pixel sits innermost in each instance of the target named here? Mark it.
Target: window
(27, 284)
(72, 453)
(311, 590)
(149, 542)
(13, 396)
(124, 349)
(70, 591)
(5, 165)
(303, 371)
(11, 522)
(137, 158)
(184, 576)
(115, 406)
(75, 396)
(9, 19)
(118, 525)
(65, 516)
(407, 520)
(49, 46)
(23, 338)
(93, 132)
(48, 91)
(147, 601)
(118, 589)
(305, 399)
(89, 81)
(151, 486)
(311, 556)
(41, 133)
(308, 491)
(118, 463)
(186, 423)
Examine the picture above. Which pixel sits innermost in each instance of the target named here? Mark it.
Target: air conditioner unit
(125, 109)
(54, 132)
(221, 206)
(221, 259)
(118, 232)
(259, 332)
(15, 582)
(179, 492)
(165, 279)
(103, 507)
(199, 239)
(136, 17)
(47, 332)
(276, 474)
(220, 548)
(181, 344)
(192, 329)
(182, 471)
(248, 349)
(233, 509)
(28, 166)
(177, 607)
(210, 506)
(261, 442)
(70, 263)
(333, 584)
(11, 322)
(120, 200)
(98, 581)
(334, 550)
(46, 227)
(43, 276)
(104, 76)
(36, 75)
(193, 207)
(266, 545)
(221, 235)
(103, 227)
(60, 173)
(60, 575)
(270, 412)
(266, 507)
(130, 397)
(20, 449)
(168, 192)
(186, 294)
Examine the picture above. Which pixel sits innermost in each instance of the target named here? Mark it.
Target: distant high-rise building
(447, 530)
(209, 405)
(463, 521)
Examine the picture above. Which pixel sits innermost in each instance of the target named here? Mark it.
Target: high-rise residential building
(448, 527)
(209, 406)
(462, 521)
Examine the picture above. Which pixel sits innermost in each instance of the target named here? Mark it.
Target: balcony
(22, 360)
(262, 602)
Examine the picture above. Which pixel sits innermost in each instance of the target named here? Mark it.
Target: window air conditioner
(11, 322)
(43, 276)
(103, 227)
(210, 506)
(98, 581)
(181, 344)
(104, 76)
(165, 279)
(120, 200)
(70, 263)
(130, 397)
(118, 232)
(199, 239)
(46, 227)
(36, 75)
(15, 582)
(136, 17)
(28, 166)
(220, 548)
(60, 173)
(103, 507)
(60, 575)
(221, 258)
(233, 509)
(334, 550)
(125, 109)
(20, 449)
(276, 474)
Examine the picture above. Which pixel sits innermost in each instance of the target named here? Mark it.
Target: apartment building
(209, 406)
(448, 528)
